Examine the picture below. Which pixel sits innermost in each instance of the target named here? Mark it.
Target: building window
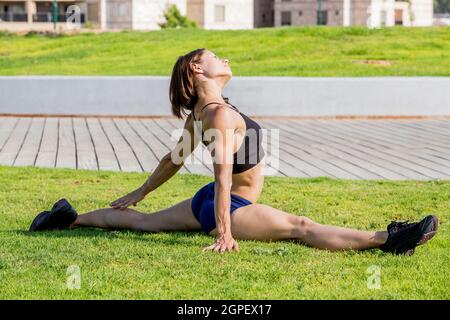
(264, 17)
(398, 17)
(300, 13)
(121, 9)
(285, 18)
(337, 12)
(18, 8)
(322, 17)
(219, 13)
(383, 18)
(92, 12)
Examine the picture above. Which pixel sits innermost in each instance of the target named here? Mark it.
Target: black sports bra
(248, 155)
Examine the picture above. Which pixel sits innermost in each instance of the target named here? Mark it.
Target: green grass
(285, 51)
(133, 265)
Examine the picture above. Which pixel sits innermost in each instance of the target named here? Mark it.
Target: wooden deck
(345, 149)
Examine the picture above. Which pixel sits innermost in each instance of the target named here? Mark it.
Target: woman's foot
(405, 237)
(60, 217)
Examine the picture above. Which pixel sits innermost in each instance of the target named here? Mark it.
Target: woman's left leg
(262, 222)
(178, 217)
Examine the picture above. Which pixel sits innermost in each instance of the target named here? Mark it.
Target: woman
(226, 208)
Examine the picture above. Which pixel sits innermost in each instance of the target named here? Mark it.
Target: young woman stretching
(226, 208)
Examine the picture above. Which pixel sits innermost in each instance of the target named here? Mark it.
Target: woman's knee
(303, 227)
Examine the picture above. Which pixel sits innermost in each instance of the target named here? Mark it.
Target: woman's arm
(163, 172)
(174, 160)
(222, 156)
(167, 167)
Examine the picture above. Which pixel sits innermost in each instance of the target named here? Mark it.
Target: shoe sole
(427, 236)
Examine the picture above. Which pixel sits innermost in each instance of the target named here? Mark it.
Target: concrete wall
(264, 96)
(238, 14)
(423, 12)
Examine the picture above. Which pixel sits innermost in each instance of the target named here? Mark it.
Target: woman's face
(215, 67)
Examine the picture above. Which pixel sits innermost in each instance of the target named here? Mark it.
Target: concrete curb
(256, 96)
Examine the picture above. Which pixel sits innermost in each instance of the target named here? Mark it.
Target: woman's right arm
(163, 172)
(167, 167)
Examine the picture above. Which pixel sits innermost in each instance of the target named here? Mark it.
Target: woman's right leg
(262, 222)
(176, 218)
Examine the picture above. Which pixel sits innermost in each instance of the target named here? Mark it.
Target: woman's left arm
(222, 156)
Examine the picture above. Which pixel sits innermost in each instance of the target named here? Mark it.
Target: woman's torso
(247, 184)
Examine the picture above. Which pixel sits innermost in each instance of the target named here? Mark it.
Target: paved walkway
(345, 149)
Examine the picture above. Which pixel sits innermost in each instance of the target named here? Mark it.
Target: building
(130, 14)
(371, 13)
(25, 15)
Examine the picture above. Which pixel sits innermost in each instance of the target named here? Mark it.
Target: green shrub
(89, 25)
(174, 19)
(4, 33)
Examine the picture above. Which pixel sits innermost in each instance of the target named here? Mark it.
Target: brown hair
(182, 93)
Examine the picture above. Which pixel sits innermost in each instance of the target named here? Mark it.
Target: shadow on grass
(176, 238)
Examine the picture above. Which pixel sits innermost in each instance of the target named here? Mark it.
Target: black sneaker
(405, 237)
(60, 217)
(395, 226)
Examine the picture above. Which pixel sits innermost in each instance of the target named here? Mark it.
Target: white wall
(238, 14)
(423, 11)
(148, 13)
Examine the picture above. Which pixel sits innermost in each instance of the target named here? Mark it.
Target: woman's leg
(262, 222)
(176, 218)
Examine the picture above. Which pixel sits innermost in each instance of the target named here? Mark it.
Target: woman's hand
(223, 243)
(130, 199)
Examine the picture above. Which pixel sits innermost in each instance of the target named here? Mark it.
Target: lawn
(284, 51)
(133, 265)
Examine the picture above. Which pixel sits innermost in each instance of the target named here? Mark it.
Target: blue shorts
(203, 206)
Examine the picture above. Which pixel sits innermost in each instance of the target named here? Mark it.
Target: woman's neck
(208, 91)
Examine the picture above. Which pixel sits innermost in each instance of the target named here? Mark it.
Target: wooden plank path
(393, 149)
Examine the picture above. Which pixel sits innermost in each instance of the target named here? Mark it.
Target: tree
(174, 19)
(441, 6)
